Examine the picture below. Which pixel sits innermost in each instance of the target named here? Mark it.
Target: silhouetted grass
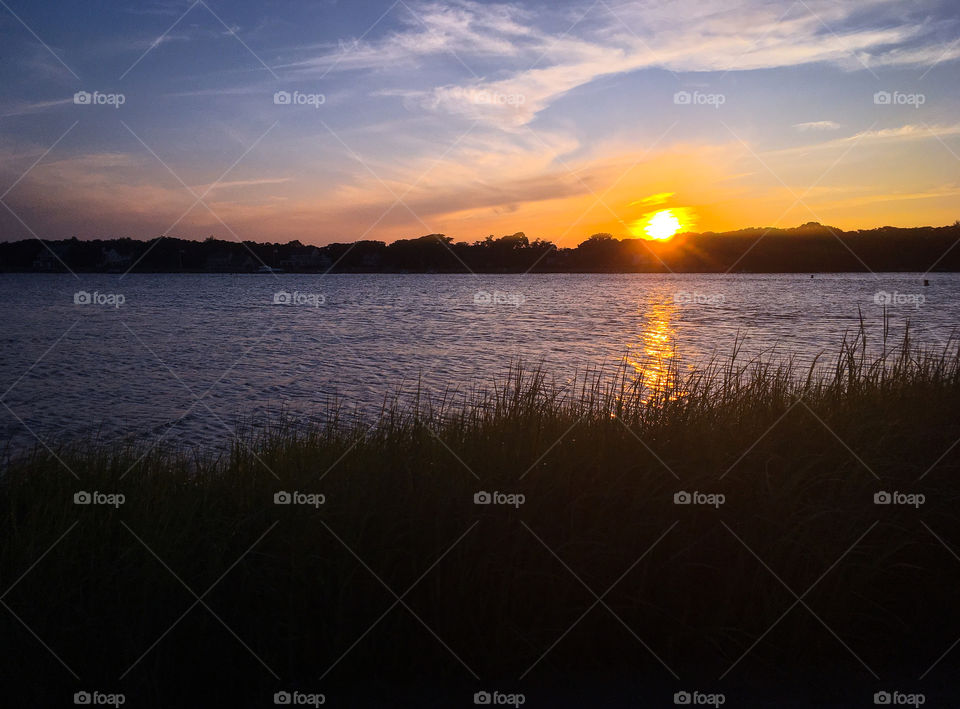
(798, 453)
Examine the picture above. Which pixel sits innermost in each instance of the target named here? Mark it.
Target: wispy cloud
(26, 108)
(659, 198)
(943, 192)
(817, 125)
(906, 132)
(680, 36)
(233, 184)
(467, 28)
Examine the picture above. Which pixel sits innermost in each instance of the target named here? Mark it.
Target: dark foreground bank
(751, 534)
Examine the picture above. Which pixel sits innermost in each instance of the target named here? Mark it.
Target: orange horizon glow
(718, 190)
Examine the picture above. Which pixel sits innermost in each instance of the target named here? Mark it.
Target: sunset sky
(559, 119)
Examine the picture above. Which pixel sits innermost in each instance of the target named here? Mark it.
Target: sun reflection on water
(652, 353)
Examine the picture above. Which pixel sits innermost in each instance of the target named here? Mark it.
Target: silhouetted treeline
(811, 247)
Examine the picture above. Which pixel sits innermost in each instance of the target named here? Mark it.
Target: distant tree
(597, 239)
(807, 248)
(514, 241)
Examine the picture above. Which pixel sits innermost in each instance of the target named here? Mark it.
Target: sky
(334, 121)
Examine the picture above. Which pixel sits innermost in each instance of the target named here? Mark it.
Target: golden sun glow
(663, 224)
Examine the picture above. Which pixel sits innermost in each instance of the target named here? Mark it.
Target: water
(187, 356)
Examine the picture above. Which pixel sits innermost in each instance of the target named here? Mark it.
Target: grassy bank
(305, 596)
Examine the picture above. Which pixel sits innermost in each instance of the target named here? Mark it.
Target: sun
(662, 225)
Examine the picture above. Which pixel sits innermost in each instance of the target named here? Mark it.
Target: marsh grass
(798, 453)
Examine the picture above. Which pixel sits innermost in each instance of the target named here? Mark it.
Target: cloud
(817, 125)
(941, 192)
(25, 108)
(538, 66)
(659, 198)
(233, 184)
(454, 29)
(471, 192)
(906, 132)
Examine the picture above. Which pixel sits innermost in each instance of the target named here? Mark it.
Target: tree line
(811, 247)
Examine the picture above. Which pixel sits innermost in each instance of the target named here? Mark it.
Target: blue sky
(559, 119)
